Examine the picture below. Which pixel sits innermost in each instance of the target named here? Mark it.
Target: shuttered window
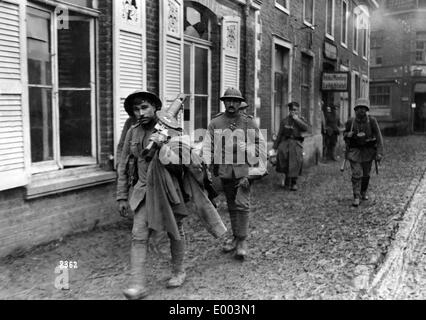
(172, 49)
(129, 57)
(230, 73)
(13, 114)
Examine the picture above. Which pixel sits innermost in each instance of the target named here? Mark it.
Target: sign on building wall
(335, 81)
(330, 51)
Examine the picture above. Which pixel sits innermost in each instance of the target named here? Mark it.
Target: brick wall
(153, 45)
(106, 113)
(291, 28)
(24, 224)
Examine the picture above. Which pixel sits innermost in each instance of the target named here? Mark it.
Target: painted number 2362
(68, 265)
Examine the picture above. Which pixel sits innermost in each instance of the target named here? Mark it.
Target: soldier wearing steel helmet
(364, 143)
(235, 177)
(144, 105)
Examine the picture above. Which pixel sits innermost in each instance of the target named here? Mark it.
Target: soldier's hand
(350, 134)
(242, 146)
(244, 183)
(158, 138)
(379, 157)
(123, 208)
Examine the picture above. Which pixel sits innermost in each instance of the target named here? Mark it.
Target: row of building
(66, 67)
(398, 66)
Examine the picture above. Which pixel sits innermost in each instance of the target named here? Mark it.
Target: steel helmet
(128, 102)
(362, 102)
(232, 93)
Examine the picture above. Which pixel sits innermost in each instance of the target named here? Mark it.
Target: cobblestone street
(309, 244)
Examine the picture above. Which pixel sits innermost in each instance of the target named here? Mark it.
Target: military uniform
(136, 140)
(331, 132)
(361, 149)
(231, 174)
(289, 146)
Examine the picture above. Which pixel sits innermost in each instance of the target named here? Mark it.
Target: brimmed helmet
(232, 93)
(128, 103)
(362, 102)
(244, 105)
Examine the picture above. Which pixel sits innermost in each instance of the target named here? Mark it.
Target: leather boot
(230, 245)
(356, 202)
(243, 227)
(287, 183)
(137, 289)
(364, 186)
(177, 248)
(333, 153)
(241, 249)
(293, 184)
(356, 187)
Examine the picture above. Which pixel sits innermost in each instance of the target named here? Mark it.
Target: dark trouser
(360, 177)
(140, 237)
(330, 146)
(238, 200)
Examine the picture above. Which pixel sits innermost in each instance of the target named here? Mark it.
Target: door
(197, 87)
(281, 84)
(420, 113)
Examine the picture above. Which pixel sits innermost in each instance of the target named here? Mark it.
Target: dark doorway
(420, 113)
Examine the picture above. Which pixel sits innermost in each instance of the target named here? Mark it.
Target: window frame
(306, 22)
(286, 45)
(375, 95)
(61, 162)
(344, 35)
(355, 32)
(365, 36)
(309, 85)
(333, 20)
(283, 9)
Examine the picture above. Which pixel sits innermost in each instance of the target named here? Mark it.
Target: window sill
(46, 184)
(283, 9)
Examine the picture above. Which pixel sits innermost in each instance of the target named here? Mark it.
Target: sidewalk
(309, 244)
(403, 274)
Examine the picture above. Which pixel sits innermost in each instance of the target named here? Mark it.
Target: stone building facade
(398, 66)
(302, 41)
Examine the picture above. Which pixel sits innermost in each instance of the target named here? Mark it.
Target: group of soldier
(157, 191)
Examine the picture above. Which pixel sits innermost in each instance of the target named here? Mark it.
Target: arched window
(197, 21)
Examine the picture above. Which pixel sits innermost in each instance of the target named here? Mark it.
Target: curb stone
(389, 278)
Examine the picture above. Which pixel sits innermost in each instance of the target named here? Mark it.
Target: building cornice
(255, 4)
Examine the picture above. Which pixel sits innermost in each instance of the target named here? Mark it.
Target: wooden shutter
(14, 121)
(129, 57)
(230, 61)
(171, 49)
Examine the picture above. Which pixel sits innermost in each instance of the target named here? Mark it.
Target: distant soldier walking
(289, 146)
(364, 144)
(330, 131)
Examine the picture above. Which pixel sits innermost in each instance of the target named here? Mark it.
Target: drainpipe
(246, 46)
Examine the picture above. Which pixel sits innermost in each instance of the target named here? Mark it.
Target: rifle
(377, 166)
(342, 168)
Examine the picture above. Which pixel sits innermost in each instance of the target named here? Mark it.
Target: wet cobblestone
(309, 244)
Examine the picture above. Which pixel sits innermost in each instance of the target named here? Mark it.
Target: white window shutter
(171, 80)
(129, 56)
(230, 58)
(14, 120)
